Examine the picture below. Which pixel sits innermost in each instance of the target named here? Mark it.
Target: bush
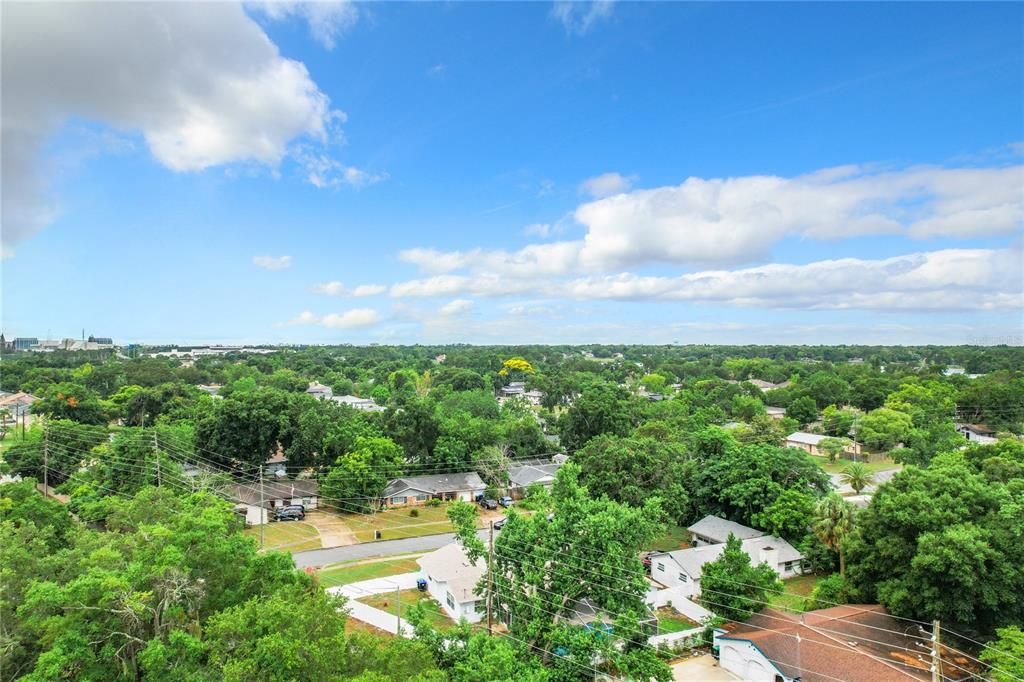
(414, 513)
(433, 502)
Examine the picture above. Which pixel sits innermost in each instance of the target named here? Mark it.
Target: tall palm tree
(833, 523)
(858, 476)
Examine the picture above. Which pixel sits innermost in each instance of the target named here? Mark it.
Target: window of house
(421, 498)
(450, 599)
(307, 501)
(661, 567)
(398, 500)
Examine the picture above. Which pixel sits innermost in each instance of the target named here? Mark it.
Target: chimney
(769, 555)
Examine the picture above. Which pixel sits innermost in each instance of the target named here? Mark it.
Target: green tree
(358, 477)
(833, 524)
(858, 476)
(246, 427)
(1006, 654)
(838, 421)
(833, 447)
(803, 409)
(732, 587)
(883, 428)
(789, 516)
(602, 408)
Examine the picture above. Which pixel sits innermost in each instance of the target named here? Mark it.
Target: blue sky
(515, 172)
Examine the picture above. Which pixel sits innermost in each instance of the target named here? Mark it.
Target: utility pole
(156, 450)
(263, 512)
(856, 418)
(46, 460)
(490, 576)
(398, 604)
(936, 653)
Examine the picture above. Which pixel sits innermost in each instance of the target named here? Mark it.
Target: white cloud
(350, 319)
(605, 185)
(537, 230)
(201, 82)
(272, 262)
(436, 71)
(328, 20)
(336, 288)
(456, 307)
(323, 171)
(952, 279)
(578, 18)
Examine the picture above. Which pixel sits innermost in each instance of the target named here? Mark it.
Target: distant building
(357, 403)
(409, 490)
(274, 495)
(18, 404)
(776, 413)
(713, 530)
(809, 442)
(522, 477)
(320, 391)
(25, 342)
(977, 433)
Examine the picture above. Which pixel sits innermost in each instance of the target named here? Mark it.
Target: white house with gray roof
(418, 489)
(713, 530)
(682, 568)
(451, 580)
(522, 477)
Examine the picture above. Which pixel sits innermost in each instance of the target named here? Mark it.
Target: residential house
(274, 494)
(682, 569)
(211, 389)
(534, 397)
(357, 403)
(514, 389)
(522, 477)
(451, 581)
(410, 490)
(18, 404)
(276, 465)
(713, 530)
(808, 442)
(768, 385)
(977, 433)
(776, 413)
(854, 643)
(319, 391)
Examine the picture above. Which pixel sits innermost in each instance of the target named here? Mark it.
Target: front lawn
(286, 536)
(670, 620)
(437, 618)
(345, 574)
(795, 591)
(675, 537)
(397, 523)
(838, 466)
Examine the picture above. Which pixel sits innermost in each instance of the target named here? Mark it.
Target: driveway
(333, 531)
(378, 548)
(701, 669)
(377, 617)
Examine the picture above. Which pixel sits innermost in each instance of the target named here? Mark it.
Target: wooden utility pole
(398, 604)
(490, 576)
(263, 512)
(46, 460)
(936, 653)
(156, 451)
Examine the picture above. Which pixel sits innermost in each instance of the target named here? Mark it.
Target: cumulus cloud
(272, 262)
(322, 171)
(336, 288)
(350, 319)
(537, 230)
(951, 279)
(202, 84)
(456, 307)
(328, 20)
(578, 18)
(605, 185)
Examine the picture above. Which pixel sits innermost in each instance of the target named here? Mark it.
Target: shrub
(433, 502)
(414, 513)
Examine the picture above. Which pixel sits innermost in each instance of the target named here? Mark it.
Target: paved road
(366, 550)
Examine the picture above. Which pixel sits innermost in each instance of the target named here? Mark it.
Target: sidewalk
(375, 617)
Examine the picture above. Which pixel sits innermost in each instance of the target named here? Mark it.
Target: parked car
(505, 501)
(289, 514)
(499, 524)
(489, 504)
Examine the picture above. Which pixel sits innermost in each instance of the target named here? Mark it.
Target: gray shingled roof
(276, 490)
(692, 560)
(718, 529)
(805, 438)
(436, 484)
(522, 476)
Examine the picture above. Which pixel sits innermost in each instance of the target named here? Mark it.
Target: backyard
(670, 620)
(795, 592)
(675, 537)
(435, 617)
(353, 572)
(290, 536)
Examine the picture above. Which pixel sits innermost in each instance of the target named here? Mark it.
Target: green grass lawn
(838, 466)
(287, 536)
(344, 574)
(796, 590)
(675, 537)
(386, 602)
(397, 523)
(669, 620)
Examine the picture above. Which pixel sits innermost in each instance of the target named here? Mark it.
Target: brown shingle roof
(855, 643)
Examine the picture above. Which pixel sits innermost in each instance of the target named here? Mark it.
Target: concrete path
(701, 669)
(368, 614)
(379, 548)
